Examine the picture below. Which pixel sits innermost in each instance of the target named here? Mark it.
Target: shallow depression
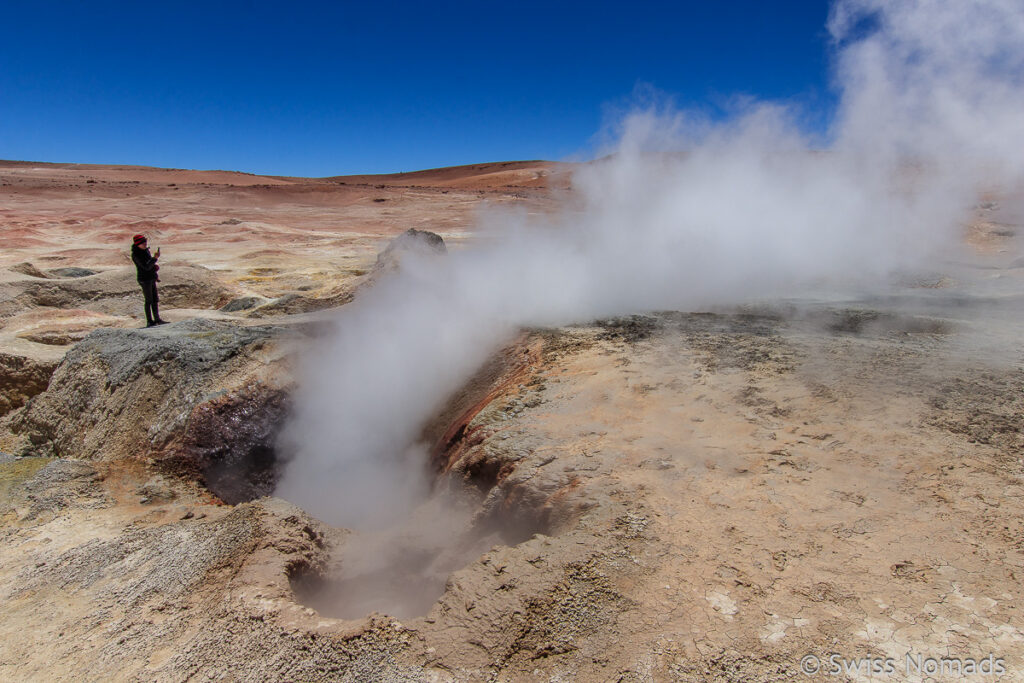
(404, 570)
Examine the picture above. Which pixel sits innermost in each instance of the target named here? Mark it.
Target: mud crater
(404, 571)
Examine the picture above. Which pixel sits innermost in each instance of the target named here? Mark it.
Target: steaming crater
(404, 568)
(698, 479)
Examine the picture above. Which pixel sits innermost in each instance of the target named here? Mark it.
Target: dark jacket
(145, 264)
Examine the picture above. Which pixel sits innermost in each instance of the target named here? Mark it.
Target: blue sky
(307, 88)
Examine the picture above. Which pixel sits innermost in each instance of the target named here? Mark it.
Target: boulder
(412, 242)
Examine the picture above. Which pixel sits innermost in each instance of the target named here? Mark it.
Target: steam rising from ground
(686, 213)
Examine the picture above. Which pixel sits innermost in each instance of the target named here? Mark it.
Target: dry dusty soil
(669, 496)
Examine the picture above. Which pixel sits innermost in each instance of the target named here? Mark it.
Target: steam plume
(684, 214)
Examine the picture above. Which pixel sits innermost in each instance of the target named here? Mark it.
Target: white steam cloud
(684, 214)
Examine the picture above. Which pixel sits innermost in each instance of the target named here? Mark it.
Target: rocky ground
(668, 496)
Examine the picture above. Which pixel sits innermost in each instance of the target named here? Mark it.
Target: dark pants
(152, 300)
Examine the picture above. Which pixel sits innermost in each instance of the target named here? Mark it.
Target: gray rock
(242, 303)
(197, 346)
(414, 240)
(411, 243)
(72, 272)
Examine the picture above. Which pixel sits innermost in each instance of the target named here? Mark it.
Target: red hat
(138, 239)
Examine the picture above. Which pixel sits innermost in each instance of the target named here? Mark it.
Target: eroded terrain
(666, 496)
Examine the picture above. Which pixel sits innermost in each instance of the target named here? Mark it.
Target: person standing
(146, 271)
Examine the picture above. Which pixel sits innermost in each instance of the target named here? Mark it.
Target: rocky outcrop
(411, 243)
(201, 397)
(21, 378)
